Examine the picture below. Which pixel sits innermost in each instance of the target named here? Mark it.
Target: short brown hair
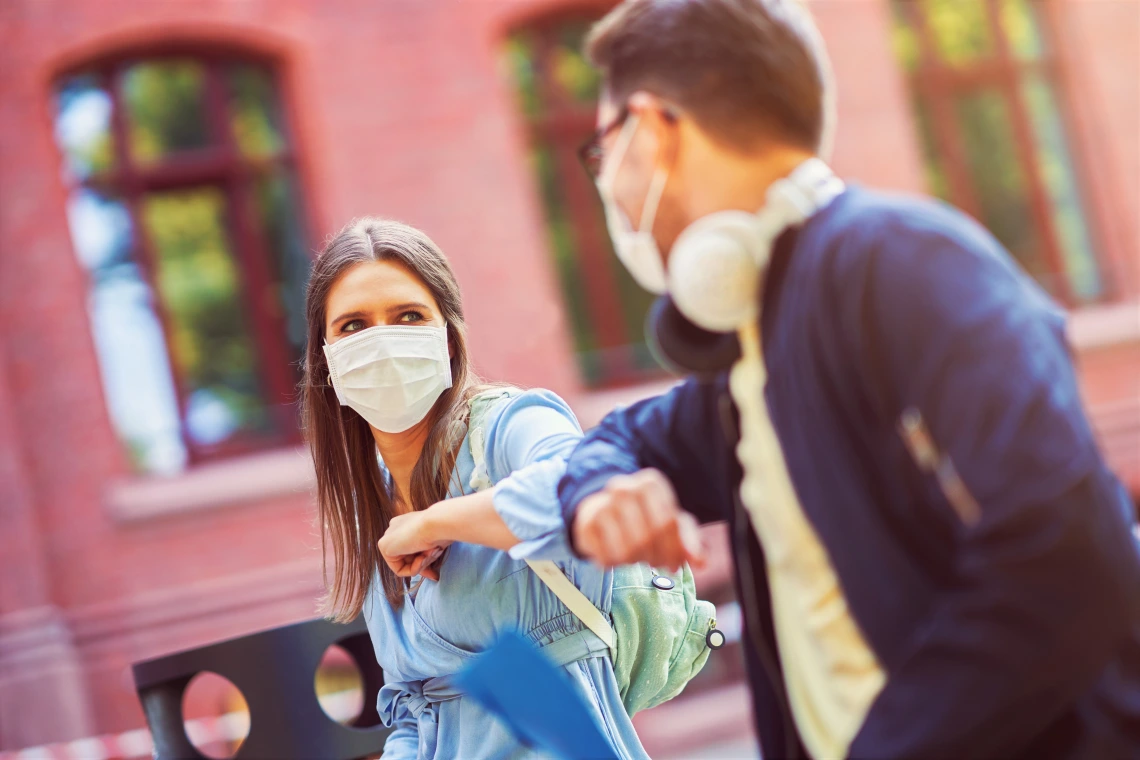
(743, 69)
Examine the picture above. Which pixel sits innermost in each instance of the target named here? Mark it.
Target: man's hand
(409, 547)
(636, 518)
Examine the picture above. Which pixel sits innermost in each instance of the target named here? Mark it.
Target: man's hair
(744, 70)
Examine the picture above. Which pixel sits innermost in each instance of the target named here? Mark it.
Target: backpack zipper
(932, 461)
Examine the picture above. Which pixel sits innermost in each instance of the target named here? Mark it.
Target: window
(557, 94)
(991, 118)
(184, 213)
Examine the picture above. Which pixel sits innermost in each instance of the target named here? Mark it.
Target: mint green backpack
(661, 633)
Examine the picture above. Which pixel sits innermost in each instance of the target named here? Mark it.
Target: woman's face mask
(386, 345)
(391, 375)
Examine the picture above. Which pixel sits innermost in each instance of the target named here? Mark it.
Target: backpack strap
(546, 570)
(575, 601)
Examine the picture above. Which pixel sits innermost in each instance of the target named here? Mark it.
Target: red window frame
(219, 164)
(935, 83)
(562, 125)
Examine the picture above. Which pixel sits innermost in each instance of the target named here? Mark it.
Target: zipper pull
(917, 438)
(715, 638)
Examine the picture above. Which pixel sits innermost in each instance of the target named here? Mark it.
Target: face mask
(391, 375)
(636, 249)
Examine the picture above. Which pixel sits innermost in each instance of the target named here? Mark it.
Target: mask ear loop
(653, 201)
(625, 137)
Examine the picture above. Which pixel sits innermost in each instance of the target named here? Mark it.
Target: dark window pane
(165, 103)
(210, 339)
(998, 179)
(904, 37)
(932, 159)
(564, 247)
(519, 56)
(1056, 169)
(550, 74)
(960, 29)
(576, 79)
(129, 341)
(285, 238)
(83, 125)
(1021, 24)
(255, 115)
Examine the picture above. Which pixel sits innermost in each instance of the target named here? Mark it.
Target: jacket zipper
(748, 586)
(933, 461)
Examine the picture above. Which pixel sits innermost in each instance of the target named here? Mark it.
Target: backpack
(661, 634)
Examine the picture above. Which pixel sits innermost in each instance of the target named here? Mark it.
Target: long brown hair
(354, 501)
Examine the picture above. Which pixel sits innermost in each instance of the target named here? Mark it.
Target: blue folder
(515, 682)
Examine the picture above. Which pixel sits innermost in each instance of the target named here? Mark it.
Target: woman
(387, 374)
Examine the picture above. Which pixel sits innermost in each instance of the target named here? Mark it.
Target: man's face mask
(636, 248)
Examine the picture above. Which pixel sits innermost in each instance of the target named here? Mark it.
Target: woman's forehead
(373, 284)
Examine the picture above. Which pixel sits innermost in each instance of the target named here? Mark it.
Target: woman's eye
(352, 326)
(411, 316)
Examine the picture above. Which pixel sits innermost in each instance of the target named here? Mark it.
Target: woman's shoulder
(512, 403)
(517, 421)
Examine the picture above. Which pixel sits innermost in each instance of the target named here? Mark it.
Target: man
(932, 557)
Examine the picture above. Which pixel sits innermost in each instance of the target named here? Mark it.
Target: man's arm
(1046, 569)
(626, 482)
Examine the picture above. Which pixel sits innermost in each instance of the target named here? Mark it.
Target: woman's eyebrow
(349, 315)
(409, 305)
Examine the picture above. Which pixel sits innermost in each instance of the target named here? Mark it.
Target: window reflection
(254, 112)
(557, 91)
(130, 346)
(285, 237)
(1019, 20)
(166, 108)
(83, 127)
(987, 133)
(197, 279)
(998, 104)
(960, 29)
(1061, 184)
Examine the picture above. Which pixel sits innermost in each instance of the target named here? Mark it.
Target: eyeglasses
(591, 154)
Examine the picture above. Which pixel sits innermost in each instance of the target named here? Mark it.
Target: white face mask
(636, 249)
(391, 375)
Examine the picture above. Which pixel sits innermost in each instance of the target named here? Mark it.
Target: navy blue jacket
(1009, 630)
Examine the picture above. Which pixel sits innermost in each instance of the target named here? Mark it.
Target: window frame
(220, 165)
(934, 83)
(560, 127)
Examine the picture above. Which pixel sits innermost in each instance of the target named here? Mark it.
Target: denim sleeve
(1044, 556)
(527, 443)
(678, 433)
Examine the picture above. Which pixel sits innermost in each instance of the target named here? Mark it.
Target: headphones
(717, 264)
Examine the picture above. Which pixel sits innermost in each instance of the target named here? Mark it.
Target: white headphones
(716, 266)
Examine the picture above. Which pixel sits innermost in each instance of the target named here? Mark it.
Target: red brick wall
(401, 109)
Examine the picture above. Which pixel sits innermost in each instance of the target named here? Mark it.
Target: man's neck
(740, 182)
(401, 452)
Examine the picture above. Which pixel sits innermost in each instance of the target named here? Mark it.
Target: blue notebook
(519, 685)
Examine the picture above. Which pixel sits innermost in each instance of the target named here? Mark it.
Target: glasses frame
(591, 154)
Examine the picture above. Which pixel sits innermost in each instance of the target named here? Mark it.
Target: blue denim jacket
(483, 593)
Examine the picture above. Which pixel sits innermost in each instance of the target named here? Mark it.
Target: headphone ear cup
(714, 270)
(684, 348)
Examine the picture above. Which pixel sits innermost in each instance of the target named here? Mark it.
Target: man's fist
(636, 518)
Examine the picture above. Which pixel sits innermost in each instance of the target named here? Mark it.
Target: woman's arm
(416, 539)
(527, 443)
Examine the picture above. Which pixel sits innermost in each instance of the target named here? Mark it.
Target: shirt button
(663, 582)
